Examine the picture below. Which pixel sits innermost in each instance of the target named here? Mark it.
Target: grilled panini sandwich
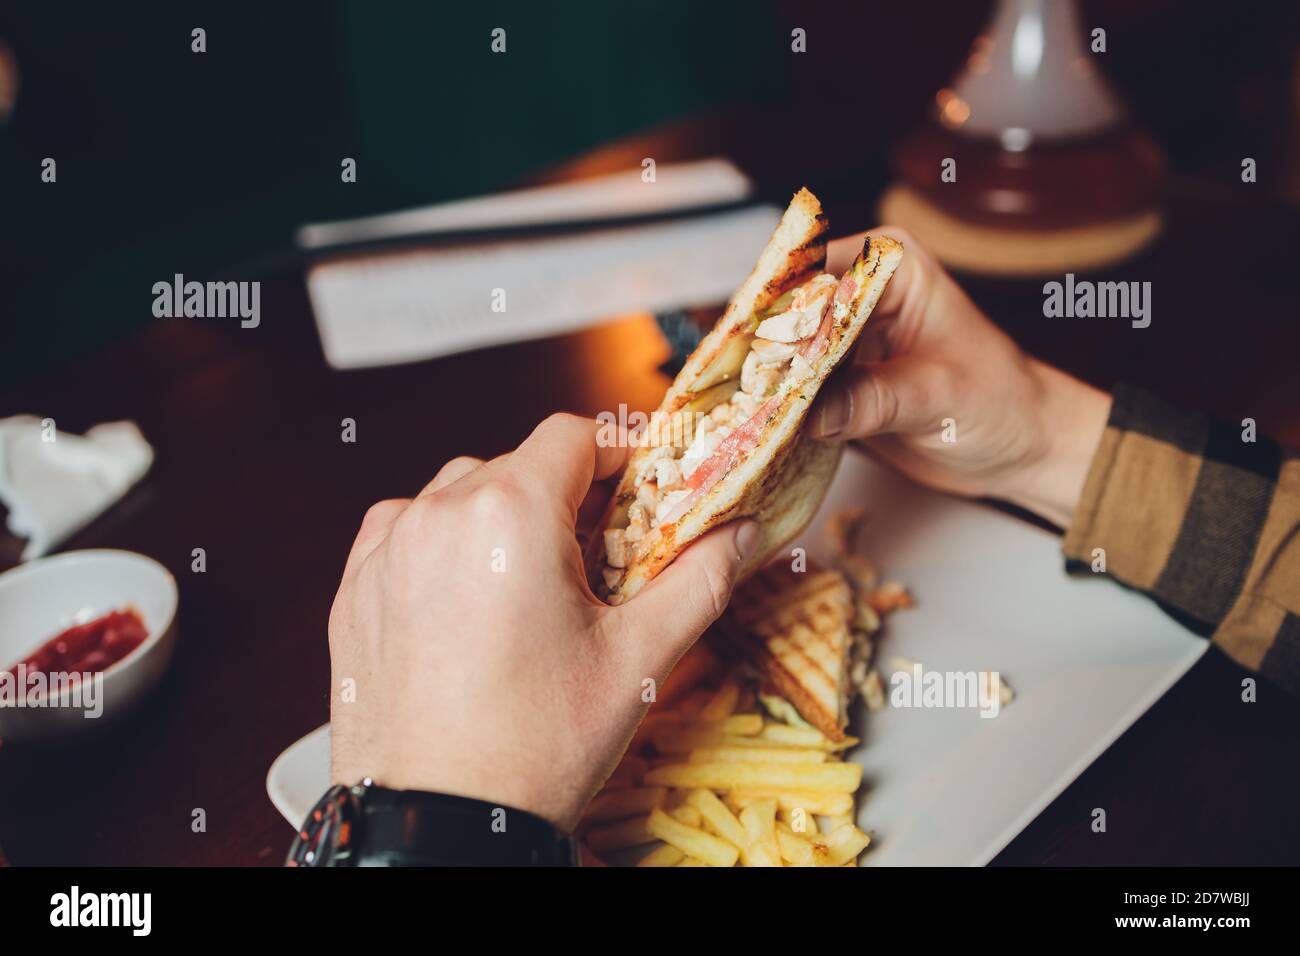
(727, 441)
(796, 630)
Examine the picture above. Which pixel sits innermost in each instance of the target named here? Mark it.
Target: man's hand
(942, 394)
(468, 654)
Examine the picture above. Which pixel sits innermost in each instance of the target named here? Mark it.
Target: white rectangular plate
(946, 786)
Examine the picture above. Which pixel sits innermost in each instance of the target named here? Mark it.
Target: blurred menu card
(383, 308)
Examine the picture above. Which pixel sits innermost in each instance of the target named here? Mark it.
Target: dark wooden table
(251, 468)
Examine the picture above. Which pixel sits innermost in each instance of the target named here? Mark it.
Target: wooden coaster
(990, 250)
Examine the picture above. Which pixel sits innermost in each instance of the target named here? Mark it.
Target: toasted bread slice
(781, 480)
(795, 630)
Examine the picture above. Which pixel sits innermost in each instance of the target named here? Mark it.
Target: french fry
(844, 844)
(785, 735)
(718, 818)
(742, 725)
(697, 665)
(662, 855)
(796, 849)
(756, 755)
(725, 784)
(834, 777)
(692, 841)
(755, 856)
(734, 732)
(619, 804)
(661, 721)
(618, 836)
(672, 733)
(799, 819)
(821, 802)
(674, 740)
(723, 703)
(796, 736)
(831, 823)
(688, 816)
(759, 821)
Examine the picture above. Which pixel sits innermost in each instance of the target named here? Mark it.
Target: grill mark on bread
(794, 628)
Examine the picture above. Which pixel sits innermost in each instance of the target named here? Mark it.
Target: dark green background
(171, 161)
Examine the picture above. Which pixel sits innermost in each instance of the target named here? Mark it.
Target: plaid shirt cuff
(1207, 523)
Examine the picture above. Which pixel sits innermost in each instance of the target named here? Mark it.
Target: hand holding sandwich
(1024, 431)
(468, 653)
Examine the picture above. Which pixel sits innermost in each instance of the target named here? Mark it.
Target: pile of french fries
(710, 780)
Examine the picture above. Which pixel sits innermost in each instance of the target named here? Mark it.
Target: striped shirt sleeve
(1184, 508)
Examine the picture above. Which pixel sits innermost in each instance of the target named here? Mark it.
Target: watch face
(325, 836)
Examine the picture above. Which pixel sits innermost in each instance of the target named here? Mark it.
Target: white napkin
(54, 488)
(382, 308)
(409, 306)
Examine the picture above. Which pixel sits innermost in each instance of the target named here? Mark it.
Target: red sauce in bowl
(94, 646)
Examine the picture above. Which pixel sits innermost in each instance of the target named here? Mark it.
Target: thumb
(898, 395)
(674, 609)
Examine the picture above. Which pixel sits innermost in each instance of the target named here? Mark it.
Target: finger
(375, 526)
(905, 394)
(874, 344)
(904, 311)
(666, 617)
(840, 253)
(565, 454)
(453, 471)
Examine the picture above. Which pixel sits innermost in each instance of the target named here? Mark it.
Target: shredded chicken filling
(669, 476)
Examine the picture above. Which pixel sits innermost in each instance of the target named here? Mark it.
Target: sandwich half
(795, 630)
(726, 442)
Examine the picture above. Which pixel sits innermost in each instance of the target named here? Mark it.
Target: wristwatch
(369, 825)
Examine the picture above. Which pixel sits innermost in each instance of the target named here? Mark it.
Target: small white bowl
(47, 596)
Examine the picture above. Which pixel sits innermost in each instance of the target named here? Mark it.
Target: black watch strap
(368, 825)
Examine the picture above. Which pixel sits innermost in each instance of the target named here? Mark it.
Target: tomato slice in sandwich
(820, 342)
(730, 450)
